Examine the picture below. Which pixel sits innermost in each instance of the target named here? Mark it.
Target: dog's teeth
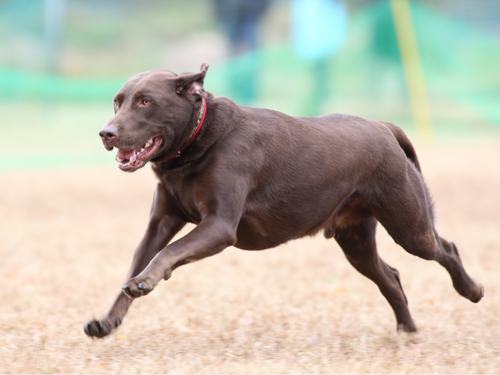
(142, 149)
(149, 143)
(119, 160)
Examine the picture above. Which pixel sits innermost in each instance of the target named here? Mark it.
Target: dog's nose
(108, 133)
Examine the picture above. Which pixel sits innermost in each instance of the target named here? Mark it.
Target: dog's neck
(221, 115)
(199, 123)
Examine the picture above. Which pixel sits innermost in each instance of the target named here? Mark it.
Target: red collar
(199, 123)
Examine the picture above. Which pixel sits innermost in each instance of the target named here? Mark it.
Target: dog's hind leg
(405, 210)
(463, 284)
(358, 243)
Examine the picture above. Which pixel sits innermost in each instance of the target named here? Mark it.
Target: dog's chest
(182, 195)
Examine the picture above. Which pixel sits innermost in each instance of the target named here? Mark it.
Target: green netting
(366, 78)
(460, 63)
(22, 85)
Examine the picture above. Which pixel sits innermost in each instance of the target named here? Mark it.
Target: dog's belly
(252, 234)
(263, 228)
(266, 227)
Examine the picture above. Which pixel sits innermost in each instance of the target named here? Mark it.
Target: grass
(67, 238)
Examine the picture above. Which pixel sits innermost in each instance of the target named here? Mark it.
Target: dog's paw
(135, 288)
(99, 328)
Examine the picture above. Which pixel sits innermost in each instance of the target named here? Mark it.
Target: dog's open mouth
(135, 159)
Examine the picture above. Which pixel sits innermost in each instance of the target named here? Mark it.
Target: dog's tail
(404, 143)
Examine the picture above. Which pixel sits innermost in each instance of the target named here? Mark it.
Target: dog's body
(256, 178)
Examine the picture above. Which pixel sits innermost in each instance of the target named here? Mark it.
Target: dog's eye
(146, 102)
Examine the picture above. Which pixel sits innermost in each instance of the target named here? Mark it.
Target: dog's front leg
(210, 237)
(162, 227)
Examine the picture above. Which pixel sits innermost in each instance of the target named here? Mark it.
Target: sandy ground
(67, 238)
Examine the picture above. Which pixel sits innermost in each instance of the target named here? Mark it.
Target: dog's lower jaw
(137, 158)
(131, 168)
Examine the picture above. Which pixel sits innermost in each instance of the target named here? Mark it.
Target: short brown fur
(256, 178)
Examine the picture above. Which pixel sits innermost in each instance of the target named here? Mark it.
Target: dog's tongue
(122, 154)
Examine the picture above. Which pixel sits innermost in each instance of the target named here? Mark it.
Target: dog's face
(152, 111)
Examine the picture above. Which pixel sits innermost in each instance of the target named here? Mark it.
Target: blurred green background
(62, 61)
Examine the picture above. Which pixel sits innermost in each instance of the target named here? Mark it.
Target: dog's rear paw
(135, 288)
(477, 294)
(408, 327)
(470, 289)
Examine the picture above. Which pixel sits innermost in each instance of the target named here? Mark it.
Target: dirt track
(67, 238)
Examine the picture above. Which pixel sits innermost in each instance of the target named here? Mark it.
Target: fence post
(407, 41)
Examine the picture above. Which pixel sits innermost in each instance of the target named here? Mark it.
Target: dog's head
(153, 113)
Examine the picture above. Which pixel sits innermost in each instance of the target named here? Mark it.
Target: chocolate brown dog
(256, 178)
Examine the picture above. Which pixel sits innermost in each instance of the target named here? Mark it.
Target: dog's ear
(192, 83)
